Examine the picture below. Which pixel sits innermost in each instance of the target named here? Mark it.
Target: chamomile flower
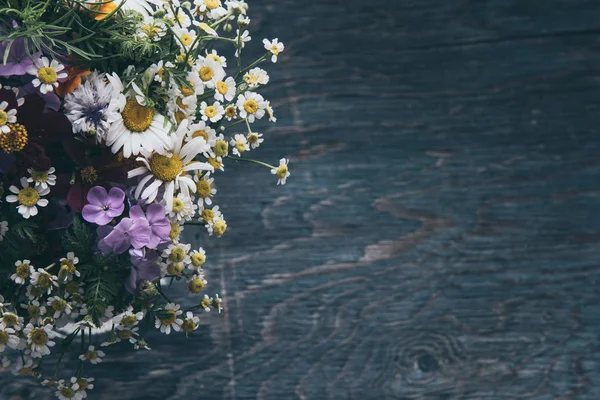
(243, 39)
(211, 8)
(84, 384)
(160, 71)
(216, 303)
(134, 128)
(28, 198)
(197, 258)
(256, 77)
(3, 229)
(47, 74)
(255, 139)
(270, 112)
(68, 391)
(177, 253)
(59, 306)
(169, 319)
(183, 208)
(207, 214)
(213, 55)
(6, 117)
(213, 112)
(204, 188)
(184, 37)
(201, 129)
(251, 105)
(130, 334)
(239, 144)
(221, 147)
(92, 355)
(209, 71)
(180, 19)
(217, 226)
(225, 90)
(23, 272)
(129, 318)
(206, 28)
(206, 302)
(197, 284)
(152, 28)
(169, 171)
(67, 265)
(43, 281)
(35, 312)
(8, 337)
(39, 339)
(274, 47)
(12, 320)
(42, 178)
(230, 112)
(190, 322)
(282, 171)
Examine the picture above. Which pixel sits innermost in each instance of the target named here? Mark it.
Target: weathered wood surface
(439, 236)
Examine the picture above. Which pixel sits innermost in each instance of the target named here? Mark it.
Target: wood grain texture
(439, 237)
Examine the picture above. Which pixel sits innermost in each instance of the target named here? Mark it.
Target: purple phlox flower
(143, 267)
(102, 207)
(127, 233)
(157, 220)
(18, 61)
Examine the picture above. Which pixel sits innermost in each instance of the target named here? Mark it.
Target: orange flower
(104, 10)
(73, 80)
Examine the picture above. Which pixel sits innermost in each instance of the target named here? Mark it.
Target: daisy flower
(68, 391)
(239, 143)
(59, 306)
(213, 113)
(217, 226)
(23, 272)
(255, 139)
(225, 90)
(35, 312)
(84, 384)
(169, 171)
(3, 229)
(38, 339)
(209, 71)
(230, 112)
(134, 128)
(201, 129)
(47, 73)
(177, 253)
(43, 280)
(8, 337)
(207, 214)
(251, 105)
(92, 355)
(28, 198)
(197, 284)
(183, 208)
(128, 334)
(204, 188)
(87, 106)
(185, 38)
(221, 147)
(9, 117)
(169, 319)
(212, 8)
(190, 323)
(12, 320)
(128, 318)
(67, 264)
(282, 171)
(152, 28)
(42, 178)
(274, 47)
(213, 55)
(255, 77)
(197, 258)
(206, 302)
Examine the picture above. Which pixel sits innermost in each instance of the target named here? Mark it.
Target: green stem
(252, 161)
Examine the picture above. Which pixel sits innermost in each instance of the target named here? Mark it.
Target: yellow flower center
(175, 231)
(210, 111)
(23, 271)
(67, 392)
(211, 4)
(219, 228)
(28, 196)
(90, 355)
(125, 334)
(230, 111)
(203, 189)
(14, 140)
(251, 106)
(215, 57)
(186, 39)
(215, 163)
(207, 214)
(274, 50)
(222, 87)
(129, 320)
(252, 138)
(150, 30)
(10, 319)
(175, 268)
(180, 103)
(3, 118)
(3, 337)
(221, 148)
(188, 325)
(206, 73)
(161, 73)
(169, 318)
(198, 259)
(39, 336)
(33, 311)
(44, 281)
(200, 133)
(179, 116)
(196, 285)
(240, 146)
(68, 267)
(282, 171)
(89, 174)
(59, 305)
(178, 205)
(205, 303)
(39, 176)
(166, 168)
(177, 255)
(250, 79)
(187, 91)
(83, 384)
(136, 117)
(47, 75)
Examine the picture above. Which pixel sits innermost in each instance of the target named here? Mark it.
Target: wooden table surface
(439, 237)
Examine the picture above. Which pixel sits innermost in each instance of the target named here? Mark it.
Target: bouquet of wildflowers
(115, 119)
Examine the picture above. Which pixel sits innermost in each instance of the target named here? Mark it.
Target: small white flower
(69, 391)
(190, 323)
(43, 280)
(213, 55)
(201, 129)
(270, 112)
(128, 318)
(209, 71)
(6, 117)
(243, 39)
(274, 47)
(92, 355)
(177, 253)
(217, 301)
(204, 188)
(47, 73)
(217, 226)
(35, 312)
(169, 319)
(68, 263)
(185, 38)
(28, 198)
(225, 90)
(255, 139)
(206, 28)
(239, 143)
(251, 105)
(282, 171)
(38, 339)
(42, 178)
(183, 208)
(255, 77)
(213, 112)
(59, 306)
(197, 258)
(3, 229)
(212, 8)
(8, 337)
(23, 272)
